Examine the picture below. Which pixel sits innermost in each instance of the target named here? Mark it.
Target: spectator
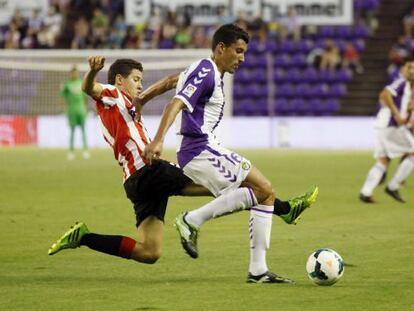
(53, 23)
(399, 51)
(408, 23)
(81, 37)
(290, 26)
(330, 57)
(351, 58)
(168, 31)
(12, 37)
(35, 21)
(131, 40)
(99, 26)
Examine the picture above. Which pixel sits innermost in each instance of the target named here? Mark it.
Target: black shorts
(150, 187)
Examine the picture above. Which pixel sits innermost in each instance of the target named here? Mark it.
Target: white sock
(260, 226)
(373, 178)
(402, 172)
(228, 203)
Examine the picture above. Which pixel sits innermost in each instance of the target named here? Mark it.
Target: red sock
(126, 247)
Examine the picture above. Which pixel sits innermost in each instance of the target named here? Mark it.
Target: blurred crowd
(403, 47)
(80, 24)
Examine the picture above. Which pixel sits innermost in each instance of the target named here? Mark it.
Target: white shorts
(393, 142)
(218, 169)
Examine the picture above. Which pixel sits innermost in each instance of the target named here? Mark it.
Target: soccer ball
(325, 267)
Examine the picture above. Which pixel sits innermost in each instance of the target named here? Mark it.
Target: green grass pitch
(42, 194)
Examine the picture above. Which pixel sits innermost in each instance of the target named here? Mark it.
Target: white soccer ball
(325, 267)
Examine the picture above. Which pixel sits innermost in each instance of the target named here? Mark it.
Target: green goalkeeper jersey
(74, 97)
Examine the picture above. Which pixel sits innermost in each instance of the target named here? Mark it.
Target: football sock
(373, 178)
(116, 245)
(260, 225)
(402, 172)
(281, 207)
(71, 138)
(234, 201)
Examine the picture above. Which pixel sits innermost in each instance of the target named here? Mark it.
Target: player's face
(408, 71)
(132, 84)
(233, 55)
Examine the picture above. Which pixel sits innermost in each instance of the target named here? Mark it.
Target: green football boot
(71, 239)
(299, 204)
(188, 235)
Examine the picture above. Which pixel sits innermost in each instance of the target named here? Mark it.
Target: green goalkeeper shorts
(76, 118)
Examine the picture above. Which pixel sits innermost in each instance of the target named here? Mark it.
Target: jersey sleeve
(198, 84)
(395, 86)
(109, 95)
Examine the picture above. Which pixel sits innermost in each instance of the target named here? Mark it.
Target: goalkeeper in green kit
(75, 107)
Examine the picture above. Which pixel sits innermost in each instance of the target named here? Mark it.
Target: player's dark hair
(123, 67)
(229, 34)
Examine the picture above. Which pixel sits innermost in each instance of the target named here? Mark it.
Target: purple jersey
(200, 88)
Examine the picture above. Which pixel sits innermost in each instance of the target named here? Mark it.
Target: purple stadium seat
(287, 46)
(285, 90)
(281, 106)
(359, 44)
(327, 76)
(331, 106)
(259, 75)
(242, 107)
(299, 60)
(293, 75)
(299, 106)
(238, 90)
(344, 32)
(303, 90)
(243, 75)
(337, 90)
(361, 30)
(344, 75)
(310, 74)
(271, 46)
(279, 75)
(305, 46)
(326, 32)
(320, 90)
(341, 44)
(282, 60)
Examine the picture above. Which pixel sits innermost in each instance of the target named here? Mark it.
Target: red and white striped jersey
(124, 134)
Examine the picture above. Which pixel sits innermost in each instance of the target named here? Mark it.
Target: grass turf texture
(42, 194)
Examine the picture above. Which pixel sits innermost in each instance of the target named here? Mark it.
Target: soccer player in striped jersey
(394, 138)
(147, 186)
(198, 109)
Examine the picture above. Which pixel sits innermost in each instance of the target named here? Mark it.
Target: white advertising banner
(238, 132)
(318, 12)
(202, 12)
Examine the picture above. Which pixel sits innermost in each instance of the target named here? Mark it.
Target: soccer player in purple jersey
(197, 109)
(394, 138)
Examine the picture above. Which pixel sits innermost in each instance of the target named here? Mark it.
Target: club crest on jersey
(245, 165)
(189, 90)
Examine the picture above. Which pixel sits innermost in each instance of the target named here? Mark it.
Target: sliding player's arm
(89, 84)
(387, 100)
(154, 148)
(160, 87)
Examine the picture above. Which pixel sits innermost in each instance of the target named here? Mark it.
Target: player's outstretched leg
(299, 204)
(268, 277)
(188, 235)
(71, 239)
